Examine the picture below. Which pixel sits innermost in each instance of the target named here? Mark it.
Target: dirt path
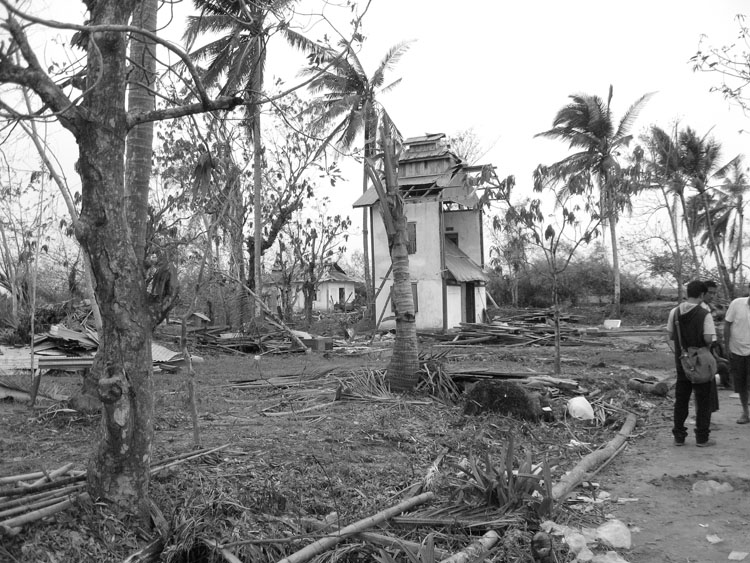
(669, 521)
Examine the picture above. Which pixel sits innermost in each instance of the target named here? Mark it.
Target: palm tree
(662, 165)
(239, 55)
(698, 160)
(348, 106)
(587, 125)
(725, 204)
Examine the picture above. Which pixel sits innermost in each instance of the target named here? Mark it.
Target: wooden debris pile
(30, 497)
(529, 328)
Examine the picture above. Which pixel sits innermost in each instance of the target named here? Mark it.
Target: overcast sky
(504, 68)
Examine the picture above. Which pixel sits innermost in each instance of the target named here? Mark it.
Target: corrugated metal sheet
(370, 197)
(461, 267)
(410, 155)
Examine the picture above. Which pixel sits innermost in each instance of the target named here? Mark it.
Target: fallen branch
(578, 474)
(474, 549)
(328, 542)
(372, 537)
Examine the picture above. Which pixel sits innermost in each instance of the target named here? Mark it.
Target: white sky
(504, 68)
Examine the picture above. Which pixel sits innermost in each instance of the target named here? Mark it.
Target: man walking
(696, 328)
(737, 342)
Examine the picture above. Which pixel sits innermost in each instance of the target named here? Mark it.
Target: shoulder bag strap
(677, 325)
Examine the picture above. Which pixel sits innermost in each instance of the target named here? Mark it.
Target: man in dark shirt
(696, 328)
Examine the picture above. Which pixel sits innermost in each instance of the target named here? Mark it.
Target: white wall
(424, 266)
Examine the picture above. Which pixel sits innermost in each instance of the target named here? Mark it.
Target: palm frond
(389, 61)
(632, 114)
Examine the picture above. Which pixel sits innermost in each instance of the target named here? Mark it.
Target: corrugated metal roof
(461, 267)
(410, 155)
(370, 197)
(426, 138)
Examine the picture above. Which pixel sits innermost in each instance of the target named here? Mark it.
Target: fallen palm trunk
(328, 542)
(474, 549)
(591, 461)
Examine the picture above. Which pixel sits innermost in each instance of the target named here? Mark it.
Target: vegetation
(161, 228)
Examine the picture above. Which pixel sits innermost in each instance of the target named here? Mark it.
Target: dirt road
(670, 522)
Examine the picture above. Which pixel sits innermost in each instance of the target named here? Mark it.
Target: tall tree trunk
(119, 468)
(139, 149)
(556, 317)
(403, 369)
(726, 282)
(257, 205)
(369, 148)
(672, 212)
(741, 216)
(690, 235)
(615, 312)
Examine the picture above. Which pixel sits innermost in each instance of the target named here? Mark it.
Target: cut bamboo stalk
(161, 467)
(23, 477)
(20, 491)
(372, 537)
(52, 475)
(36, 497)
(40, 513)
(328, 542)
(474, 549)
(225, 553)
(578, 474)
(20, 509)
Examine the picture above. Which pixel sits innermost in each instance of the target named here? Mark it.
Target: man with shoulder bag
(692, 329)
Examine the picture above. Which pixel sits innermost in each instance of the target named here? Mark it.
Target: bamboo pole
(592, 460)
(372, 537)
(474, 549)
(51, 475)
(40, 513)
(328, 542)
(26, 499)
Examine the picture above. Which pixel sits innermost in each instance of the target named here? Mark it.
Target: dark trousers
(741, 376)
(682, 392)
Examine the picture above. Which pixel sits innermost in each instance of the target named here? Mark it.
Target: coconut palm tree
(699, 157)
(726, 210)
(588, 126)
(348, 105)
(238, 55)
(663, 164)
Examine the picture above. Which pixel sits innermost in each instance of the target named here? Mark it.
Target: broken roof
(462, 268)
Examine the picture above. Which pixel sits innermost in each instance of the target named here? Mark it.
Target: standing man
(697, 329)
(737, 342)
(707, 305)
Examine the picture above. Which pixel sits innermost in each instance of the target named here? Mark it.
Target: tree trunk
(369, 281)
(556, 313)
(403, 369)
(672, 211)
(139, 149)
(119, 468)
(257, 204)
(615, 311)
(691, 238)
(726, 282)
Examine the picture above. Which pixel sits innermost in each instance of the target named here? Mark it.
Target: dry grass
(354, 457)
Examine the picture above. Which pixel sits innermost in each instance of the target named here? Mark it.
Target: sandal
(744, 419)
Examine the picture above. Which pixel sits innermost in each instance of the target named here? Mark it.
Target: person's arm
(727, 335)
(709, 330)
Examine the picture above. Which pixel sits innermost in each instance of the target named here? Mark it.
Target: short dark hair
(710, 284)
(696, 288)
